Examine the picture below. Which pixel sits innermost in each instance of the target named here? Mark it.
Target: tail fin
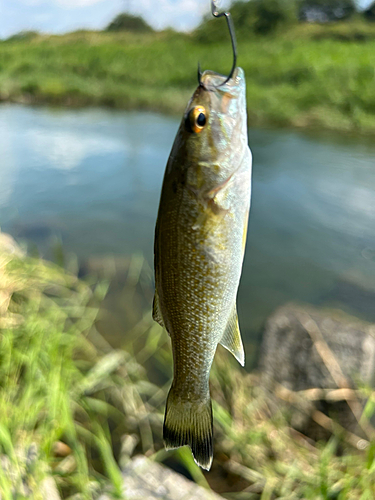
(189, 422)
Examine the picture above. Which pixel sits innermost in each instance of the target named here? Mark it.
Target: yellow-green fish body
(199, 245)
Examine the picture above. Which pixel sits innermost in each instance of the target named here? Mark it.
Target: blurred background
(92, 94)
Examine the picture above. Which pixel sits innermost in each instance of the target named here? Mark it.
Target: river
(91, 178)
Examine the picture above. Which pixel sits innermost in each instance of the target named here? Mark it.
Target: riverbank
(310, 76)
(75, 410)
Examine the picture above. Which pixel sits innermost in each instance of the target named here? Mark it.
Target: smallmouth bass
(200, 240)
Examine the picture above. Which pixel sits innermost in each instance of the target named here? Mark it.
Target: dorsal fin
(156, 313)
(231, 338)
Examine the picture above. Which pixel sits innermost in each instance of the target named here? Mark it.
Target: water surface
(93, 177)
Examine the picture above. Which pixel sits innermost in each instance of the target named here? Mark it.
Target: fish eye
(196, 119)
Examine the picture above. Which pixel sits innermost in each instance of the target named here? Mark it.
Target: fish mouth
(212, 81)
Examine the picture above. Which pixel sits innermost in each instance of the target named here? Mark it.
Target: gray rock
(49, 489)
(21, 475)
(305, 348)
(148, 480)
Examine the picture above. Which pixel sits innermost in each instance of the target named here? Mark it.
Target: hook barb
(200, 74)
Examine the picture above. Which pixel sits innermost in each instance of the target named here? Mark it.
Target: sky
(59, 16)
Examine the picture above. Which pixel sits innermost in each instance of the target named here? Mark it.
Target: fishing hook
(227, 15)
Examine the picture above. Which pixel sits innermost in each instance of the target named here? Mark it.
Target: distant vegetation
(298, 73)
(325, 11)
(127, 22)
(265, 17)
(369, 13)
(23, 35)
(257, 17)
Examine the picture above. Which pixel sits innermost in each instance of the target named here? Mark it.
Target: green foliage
(61, 385)
(23, 36)
(369, 13)
(127, 22)
(271, 14)
(275, 460)
(326, 10)
(310, 76)
(61, 382)
(255, 17)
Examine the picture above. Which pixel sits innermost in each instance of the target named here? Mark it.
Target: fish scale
(199, 246)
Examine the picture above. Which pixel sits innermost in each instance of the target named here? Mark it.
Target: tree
(23, 35)
(369, 13)
(127, 22)
(260, 17)
(323, 11)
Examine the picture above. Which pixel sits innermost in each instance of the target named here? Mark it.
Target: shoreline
(88, 399)
(254, 121)
(307, 78)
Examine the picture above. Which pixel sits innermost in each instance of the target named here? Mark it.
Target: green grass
(309, 76)
(62, 383)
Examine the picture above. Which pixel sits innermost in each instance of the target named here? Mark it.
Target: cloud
(63, 150)
(33, 3)
(58, 16)
(62, 3)
(71, 4)
(180, 14)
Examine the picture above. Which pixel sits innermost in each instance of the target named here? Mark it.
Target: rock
(49, 489)
(60, 449)
(148, 480)
(304, 348)
(20, 475)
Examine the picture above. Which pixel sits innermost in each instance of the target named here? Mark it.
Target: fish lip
(213, 81)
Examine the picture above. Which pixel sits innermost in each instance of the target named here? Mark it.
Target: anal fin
(156, 313)
(231, 338)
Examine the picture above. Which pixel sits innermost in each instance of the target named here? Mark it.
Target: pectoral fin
(156, 313)
(231, 339)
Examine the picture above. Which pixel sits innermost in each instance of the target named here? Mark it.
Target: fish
(200, 238)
